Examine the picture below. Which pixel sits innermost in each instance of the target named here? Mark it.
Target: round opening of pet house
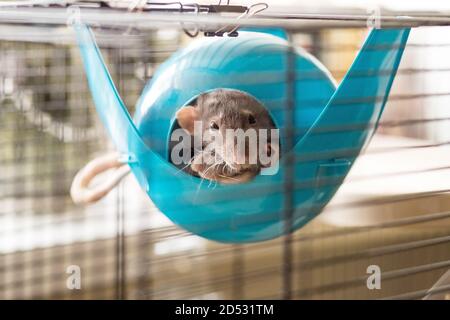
(291, 85)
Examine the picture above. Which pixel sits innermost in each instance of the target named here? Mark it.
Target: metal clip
(74, 15)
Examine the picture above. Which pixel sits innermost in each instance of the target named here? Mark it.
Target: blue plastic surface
(333, 125)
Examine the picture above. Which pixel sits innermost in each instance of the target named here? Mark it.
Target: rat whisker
(187, 165)
(227, 177)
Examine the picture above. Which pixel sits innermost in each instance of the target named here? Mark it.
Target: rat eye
(213, 125)
(251, 119)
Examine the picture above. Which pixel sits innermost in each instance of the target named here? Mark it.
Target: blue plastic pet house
(333, 125)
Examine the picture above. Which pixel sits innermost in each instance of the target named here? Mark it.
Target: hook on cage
(196, 11)
(181, 9)
(247, 14)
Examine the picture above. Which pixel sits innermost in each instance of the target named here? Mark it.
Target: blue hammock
(332, 126)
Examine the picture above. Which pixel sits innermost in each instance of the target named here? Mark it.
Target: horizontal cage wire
(391, 211)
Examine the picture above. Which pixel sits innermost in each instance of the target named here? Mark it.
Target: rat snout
(236, 153)
(236, 149)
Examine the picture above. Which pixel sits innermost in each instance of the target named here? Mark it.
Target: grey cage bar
(393, 211)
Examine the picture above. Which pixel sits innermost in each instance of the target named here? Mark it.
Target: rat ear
(186, 117)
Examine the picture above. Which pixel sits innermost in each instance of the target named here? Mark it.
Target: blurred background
(393, 210)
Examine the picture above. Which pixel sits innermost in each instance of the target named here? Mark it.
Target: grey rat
(221, 110)
(214, 111)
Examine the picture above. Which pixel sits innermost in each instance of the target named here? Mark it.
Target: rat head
(234, 135)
